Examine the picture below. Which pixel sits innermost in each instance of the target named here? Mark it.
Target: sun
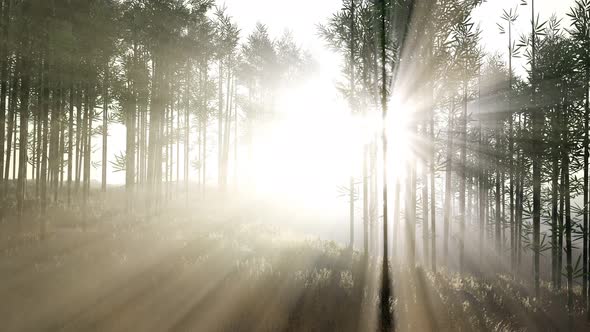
(315, 145)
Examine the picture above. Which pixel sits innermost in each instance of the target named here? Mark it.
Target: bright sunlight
(273, 165)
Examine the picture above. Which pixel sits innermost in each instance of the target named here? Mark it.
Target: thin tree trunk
(425, 213)
(23, 140)
(568, 234)
(511, 150)
(62, 138)
(462, 180)
(498, 194)
(448, 182)
(554, 200)
(39, 130)
(537, 124)
(105, 124)
(236, 139)
(70, 142)
(351, 212)
(187, 132)
(58, 141)
(482, 193)
(45, 143)
(178, 139)
(410, 211)
(11, 123)
(80, 128)
(220, 125)
(386, 318)
(204, 154)
(432, 192)
(585, 204)
(131, 113)
(33, 152)
(4, 81)
(15, 145)
(352, 108)
(227, 129)
(561, 218)
(85, 154)
(365, 201)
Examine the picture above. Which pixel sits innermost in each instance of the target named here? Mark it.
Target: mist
(342, 165)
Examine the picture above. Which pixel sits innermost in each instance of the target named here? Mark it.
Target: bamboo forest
(311, 165)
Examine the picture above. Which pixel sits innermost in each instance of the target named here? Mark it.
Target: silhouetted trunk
(386, 319)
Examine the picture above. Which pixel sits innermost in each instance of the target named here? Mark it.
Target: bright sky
(489, 14)
(300, 17)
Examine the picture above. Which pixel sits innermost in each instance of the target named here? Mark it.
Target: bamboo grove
(169, 71)
(498, 175)
(499, 166)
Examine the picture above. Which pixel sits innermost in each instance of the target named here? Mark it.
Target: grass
(202, 270)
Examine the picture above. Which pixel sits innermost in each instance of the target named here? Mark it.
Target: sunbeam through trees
(265, 165)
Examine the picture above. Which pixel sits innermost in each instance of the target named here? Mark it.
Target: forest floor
(205, 270)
